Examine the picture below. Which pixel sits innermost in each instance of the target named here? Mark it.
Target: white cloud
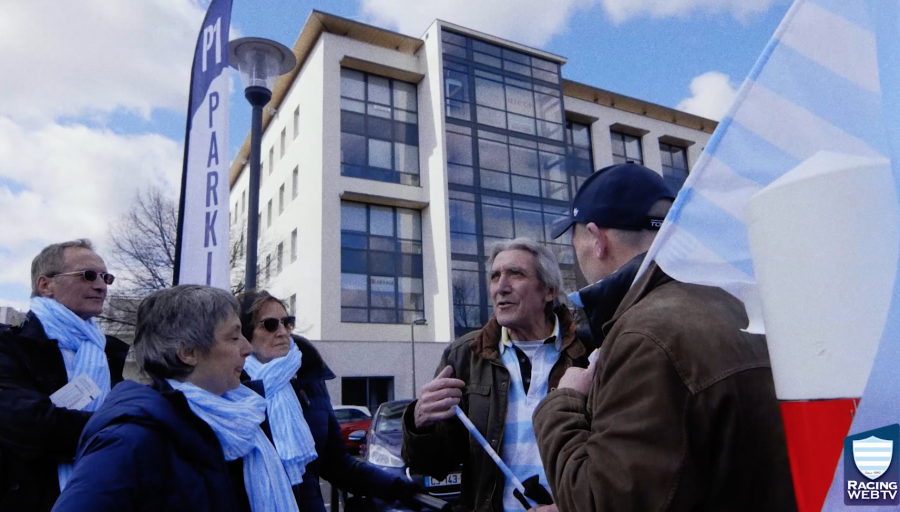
(95, 56)
(712, 93)
(622, 10)
(71, 182)
(531, 22)
(67, 62)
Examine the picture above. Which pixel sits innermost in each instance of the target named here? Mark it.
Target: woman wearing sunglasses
(301, 422)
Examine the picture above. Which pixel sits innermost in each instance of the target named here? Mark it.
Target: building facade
(392, 163)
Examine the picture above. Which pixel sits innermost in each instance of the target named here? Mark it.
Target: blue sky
(99, 113)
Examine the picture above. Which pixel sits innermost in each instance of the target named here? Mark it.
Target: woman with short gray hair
(165, 447)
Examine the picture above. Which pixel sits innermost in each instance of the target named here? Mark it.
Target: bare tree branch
(142, 246)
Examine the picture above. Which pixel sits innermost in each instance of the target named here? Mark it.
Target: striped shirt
(520, 451)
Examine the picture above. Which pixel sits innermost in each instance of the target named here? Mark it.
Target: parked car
(352, 418)
(382, 449)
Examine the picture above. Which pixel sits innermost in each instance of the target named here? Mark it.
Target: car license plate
(452, 479)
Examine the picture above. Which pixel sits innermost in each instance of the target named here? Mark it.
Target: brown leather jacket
(681, 416)
(439, 451)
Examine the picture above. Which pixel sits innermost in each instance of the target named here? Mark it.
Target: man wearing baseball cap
(678, 410)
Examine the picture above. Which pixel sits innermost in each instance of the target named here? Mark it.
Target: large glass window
(674, 165)
(379, 128)
(626, 148)
(507, 161)
(381, 264)
(580, 161)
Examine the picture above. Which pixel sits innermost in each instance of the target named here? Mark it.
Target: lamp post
(260, 61)
(412, 338)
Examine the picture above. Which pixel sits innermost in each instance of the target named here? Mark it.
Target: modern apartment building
(391, 162)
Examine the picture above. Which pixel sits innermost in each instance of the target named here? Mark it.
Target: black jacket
(602, 299)
(333, 463)
(144, 450)
(35, 435)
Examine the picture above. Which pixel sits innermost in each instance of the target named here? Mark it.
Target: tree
(142, 244)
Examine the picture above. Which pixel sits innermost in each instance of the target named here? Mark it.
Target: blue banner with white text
(202, 248)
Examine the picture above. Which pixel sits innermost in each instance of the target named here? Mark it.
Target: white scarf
(235, 418)
(83, 348)
(290, 432)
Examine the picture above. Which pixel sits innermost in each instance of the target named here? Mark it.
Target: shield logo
(872, 456)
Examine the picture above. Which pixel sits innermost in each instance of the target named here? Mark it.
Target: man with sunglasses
(59, 348)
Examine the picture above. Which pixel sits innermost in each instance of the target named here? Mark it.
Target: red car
(352, 418)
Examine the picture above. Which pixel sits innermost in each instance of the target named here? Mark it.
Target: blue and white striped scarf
(83, 348)
(235, 418)
(520, 451)
(290, 433)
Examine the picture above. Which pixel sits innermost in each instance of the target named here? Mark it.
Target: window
(283, 141)
(243, 202)
(271, 159)
(674, 165)
(379, 128)
(293, 246)
(292, 304)
(279, 253)
(268, 265)
(297, 121)
(259, 226)
(512, 161)
(579, 160)
(295, 182)
(367, 391)
(281, 199)
(626, 147)
(269, 214)
(381, 264)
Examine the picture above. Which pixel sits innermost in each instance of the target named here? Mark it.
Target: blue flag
(202, 246)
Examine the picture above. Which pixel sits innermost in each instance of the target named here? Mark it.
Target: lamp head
(260, 61)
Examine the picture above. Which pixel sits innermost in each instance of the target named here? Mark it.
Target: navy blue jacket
(35, 435)
(333, 463)
(144, 450)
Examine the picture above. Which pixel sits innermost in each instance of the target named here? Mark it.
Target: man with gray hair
(505, 369)
(55, 370)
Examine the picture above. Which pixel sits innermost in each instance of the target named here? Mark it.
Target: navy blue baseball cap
(618, 197)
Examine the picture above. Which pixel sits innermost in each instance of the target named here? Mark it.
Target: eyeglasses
(271, 324)
(89, 275)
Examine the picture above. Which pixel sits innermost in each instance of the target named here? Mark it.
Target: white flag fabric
(815, 87)
(202, 247)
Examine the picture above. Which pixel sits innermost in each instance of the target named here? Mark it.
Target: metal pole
(258, 97)
(412, 338)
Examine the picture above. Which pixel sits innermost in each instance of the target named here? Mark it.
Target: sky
(94, 97)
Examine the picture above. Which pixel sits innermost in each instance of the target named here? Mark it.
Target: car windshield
(390, 417)
(345, 415)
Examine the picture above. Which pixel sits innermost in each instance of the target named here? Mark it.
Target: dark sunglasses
(271, 324)
(90, 275)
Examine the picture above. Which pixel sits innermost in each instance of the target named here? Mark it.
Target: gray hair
(545, 263)
(179, 317)
(52, 259)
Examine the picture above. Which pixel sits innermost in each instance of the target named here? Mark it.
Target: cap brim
(561, 226)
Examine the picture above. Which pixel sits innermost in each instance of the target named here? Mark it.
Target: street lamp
(412, 338)
(260, 61)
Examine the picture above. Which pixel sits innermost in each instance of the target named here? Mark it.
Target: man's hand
(546, 508)
(437, 398)
(578, 379)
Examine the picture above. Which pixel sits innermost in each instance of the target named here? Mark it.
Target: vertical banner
(793, 208)
(202, 245)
